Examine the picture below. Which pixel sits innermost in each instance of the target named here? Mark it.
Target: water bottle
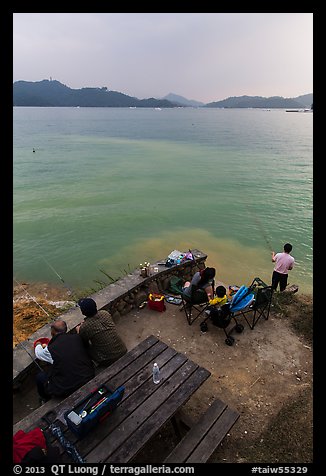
(156, 373)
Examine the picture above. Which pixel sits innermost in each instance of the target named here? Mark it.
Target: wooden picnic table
(144, 408)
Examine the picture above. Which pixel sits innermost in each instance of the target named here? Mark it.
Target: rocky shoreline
(34, 305)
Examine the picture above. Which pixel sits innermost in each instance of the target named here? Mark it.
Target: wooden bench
(205, 436)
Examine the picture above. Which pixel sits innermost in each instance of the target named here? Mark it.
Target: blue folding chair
(242, 299)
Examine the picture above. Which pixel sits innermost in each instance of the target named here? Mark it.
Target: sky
(202, 56)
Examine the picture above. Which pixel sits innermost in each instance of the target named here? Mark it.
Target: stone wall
(158, 283)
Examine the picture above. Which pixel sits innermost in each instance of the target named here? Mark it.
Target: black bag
(198, 295)
(221, 316)
(170, 262)
(36, 456)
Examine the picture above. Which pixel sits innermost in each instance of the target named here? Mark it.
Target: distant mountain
(259, 102)
(306, 100)
(182, 101)
(53, 93)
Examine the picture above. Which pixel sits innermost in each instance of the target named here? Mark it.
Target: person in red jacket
(33, 448)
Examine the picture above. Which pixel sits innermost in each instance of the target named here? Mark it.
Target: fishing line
(19, 342)
(49, 315)
(39, 305)
(262, 231)
(60, 277)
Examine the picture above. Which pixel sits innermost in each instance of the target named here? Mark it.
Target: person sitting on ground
(284, 263)
(203, 279)
(99, 334)
(71, 367)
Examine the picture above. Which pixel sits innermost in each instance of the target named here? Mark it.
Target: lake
(109, 188)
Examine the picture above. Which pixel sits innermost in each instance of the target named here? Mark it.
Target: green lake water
(108, 188)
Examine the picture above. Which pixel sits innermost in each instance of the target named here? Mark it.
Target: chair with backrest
(195, 305)
(260, 306)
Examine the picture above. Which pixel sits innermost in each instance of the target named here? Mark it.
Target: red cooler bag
(156, 302)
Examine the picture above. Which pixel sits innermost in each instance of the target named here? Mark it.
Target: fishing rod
(60, 277)
(19, 342)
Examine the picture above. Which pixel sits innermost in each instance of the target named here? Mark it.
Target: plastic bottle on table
(156, 373)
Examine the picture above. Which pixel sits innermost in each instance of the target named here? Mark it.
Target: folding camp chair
(195, 305)
(260, 306)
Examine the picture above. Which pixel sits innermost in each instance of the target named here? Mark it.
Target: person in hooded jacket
(99, 334)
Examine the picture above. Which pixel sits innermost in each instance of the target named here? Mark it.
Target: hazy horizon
(204, 57)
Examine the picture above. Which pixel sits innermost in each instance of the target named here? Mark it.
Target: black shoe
(42, 400)
(203, 327)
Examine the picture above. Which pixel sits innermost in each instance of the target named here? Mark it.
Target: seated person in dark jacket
(71, 367)
(99, 333)
(203, 279)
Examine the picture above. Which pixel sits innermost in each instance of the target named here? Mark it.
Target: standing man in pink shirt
(284, 263)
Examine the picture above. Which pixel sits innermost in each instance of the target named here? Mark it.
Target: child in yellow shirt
(221, 297)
